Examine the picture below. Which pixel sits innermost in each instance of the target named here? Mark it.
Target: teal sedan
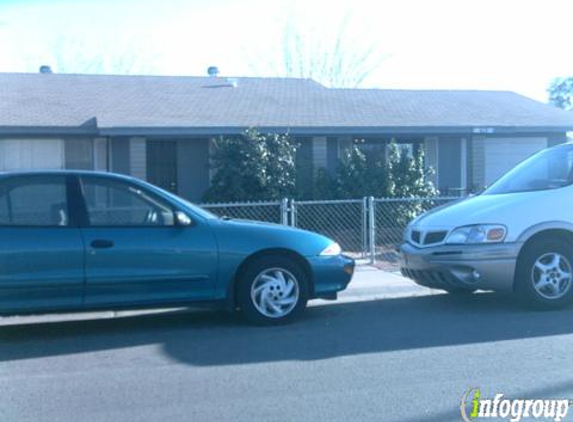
(78, 240)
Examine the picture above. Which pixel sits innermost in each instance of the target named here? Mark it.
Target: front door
(41, 252)
(135, 251)
(162, 164)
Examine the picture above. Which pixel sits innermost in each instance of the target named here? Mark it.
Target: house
(160, 128)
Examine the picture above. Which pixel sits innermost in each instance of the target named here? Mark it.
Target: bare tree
(79, 55)
(341, 59)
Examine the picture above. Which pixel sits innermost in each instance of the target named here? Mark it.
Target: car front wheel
(545, 275)
(272, 290)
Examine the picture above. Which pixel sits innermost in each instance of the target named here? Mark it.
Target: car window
(115, 203)
(549, 169)
(35, 201)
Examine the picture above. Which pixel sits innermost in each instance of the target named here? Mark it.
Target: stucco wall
(477, 162)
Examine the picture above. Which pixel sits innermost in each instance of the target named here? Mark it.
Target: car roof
(22, 173)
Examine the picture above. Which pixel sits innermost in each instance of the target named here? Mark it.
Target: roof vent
(213, 71)
(45, 69)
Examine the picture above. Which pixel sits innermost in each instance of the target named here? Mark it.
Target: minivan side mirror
(182, 219)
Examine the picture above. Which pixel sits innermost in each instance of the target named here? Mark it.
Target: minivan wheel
(272, 290)
(544, 275)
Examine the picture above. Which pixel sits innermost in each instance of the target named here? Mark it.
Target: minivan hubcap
(275, 292)
(551, 275)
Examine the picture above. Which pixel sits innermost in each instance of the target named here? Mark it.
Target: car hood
(250, 236)
(260, 225)
(481, 209)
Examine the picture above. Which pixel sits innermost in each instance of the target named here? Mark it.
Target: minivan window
(113, 203)
(34, 201)
(548, 169)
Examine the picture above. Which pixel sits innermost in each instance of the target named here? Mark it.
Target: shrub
(252, 167)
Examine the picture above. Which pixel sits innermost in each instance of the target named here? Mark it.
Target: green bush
(259, 167)
(399, 176)
(252, 167)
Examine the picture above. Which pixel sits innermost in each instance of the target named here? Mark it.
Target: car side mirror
(182, 219)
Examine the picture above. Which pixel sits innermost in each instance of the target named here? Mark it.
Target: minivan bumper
(485, 267)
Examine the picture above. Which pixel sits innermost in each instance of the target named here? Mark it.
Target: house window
(373, 149)
(377, 149)
(407, 148)
(28, 154)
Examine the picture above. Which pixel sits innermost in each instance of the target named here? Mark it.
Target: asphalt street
(386, 351)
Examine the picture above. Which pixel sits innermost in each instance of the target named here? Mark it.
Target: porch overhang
(331, 131)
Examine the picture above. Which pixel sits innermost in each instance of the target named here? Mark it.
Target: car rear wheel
(273, 290)
(544, 276)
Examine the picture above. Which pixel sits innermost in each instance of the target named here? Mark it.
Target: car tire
(544, 275)
(273, 290)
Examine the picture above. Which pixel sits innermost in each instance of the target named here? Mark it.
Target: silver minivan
(515, 236)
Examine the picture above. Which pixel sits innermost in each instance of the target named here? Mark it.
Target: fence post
(292, 213)
(284, 211)
(372, 229)
(364, 227)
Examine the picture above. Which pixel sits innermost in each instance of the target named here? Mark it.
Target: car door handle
(101, 244)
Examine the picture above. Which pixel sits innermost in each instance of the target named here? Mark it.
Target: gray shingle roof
(187, 104)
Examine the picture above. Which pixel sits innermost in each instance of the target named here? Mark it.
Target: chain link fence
(270, 212)
(390, 218)
(368, 227)
(344, 221)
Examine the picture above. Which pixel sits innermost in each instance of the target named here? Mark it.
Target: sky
(419, 44)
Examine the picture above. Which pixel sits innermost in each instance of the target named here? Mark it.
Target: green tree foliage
(561, 93)
(408, 176)
(400, 175)
(356, 177)
(280, 165)
(324, 186)
(352, 173)
(256, 166)
(252, 167)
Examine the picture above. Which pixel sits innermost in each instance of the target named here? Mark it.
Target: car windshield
(548, 169)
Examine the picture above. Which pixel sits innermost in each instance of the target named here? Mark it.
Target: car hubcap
(551, 275)
(275, 292)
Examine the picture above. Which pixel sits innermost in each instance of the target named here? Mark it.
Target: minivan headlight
(331, 250)
(479, 233)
